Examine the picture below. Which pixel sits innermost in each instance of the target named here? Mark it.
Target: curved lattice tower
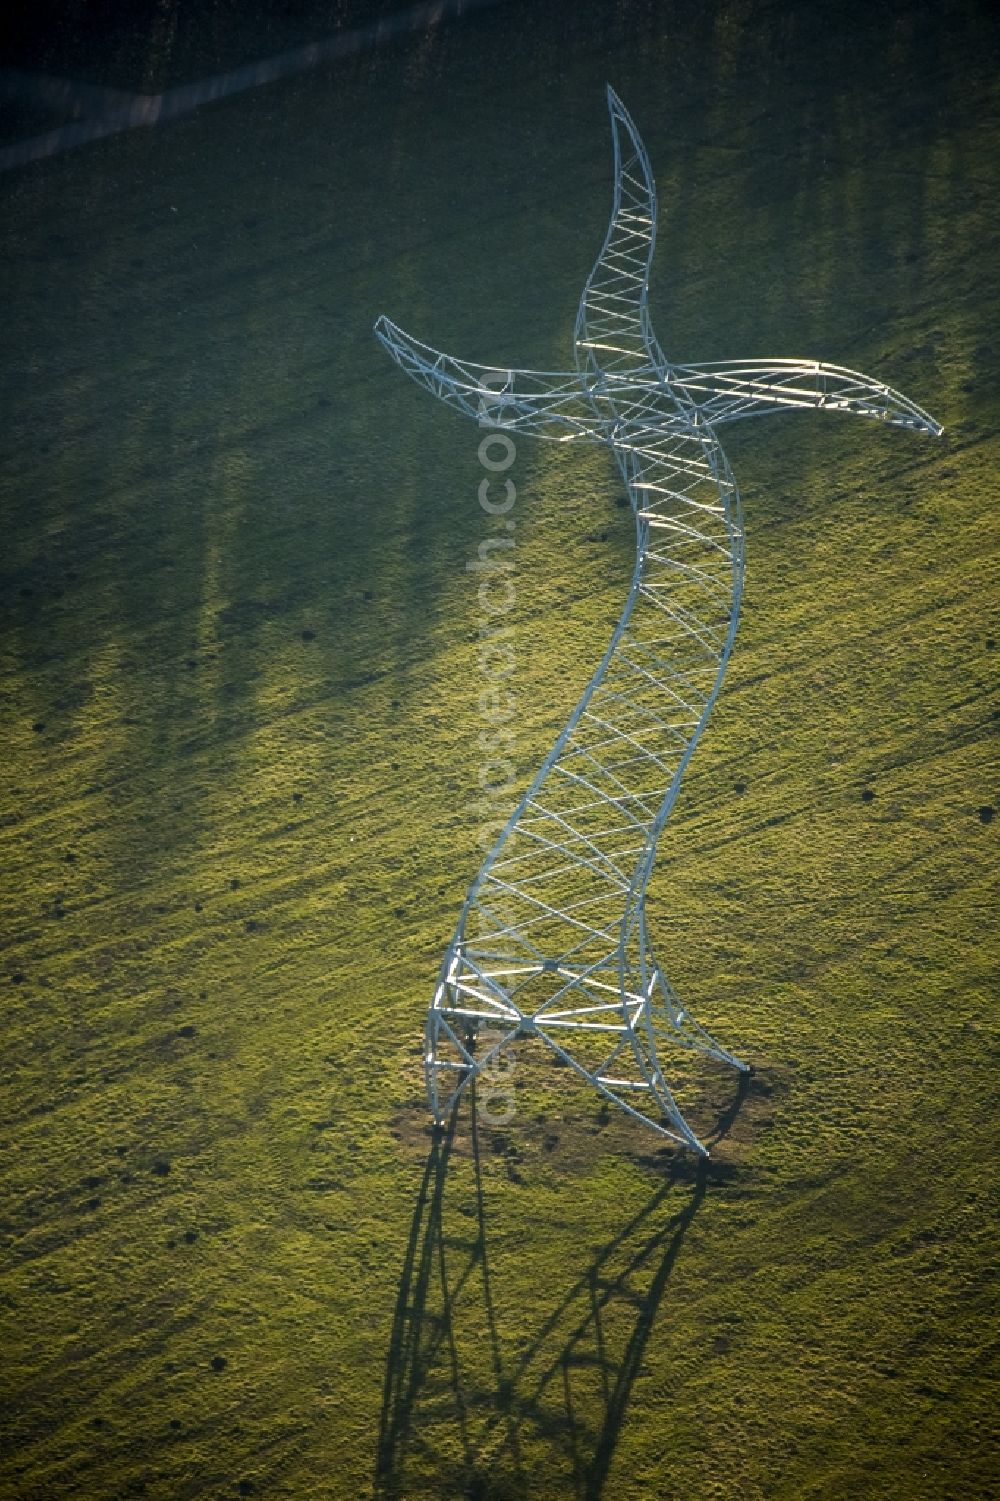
(552, 939)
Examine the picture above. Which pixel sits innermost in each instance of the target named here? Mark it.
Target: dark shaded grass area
(145, 46)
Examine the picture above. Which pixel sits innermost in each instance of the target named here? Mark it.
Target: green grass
(233, 856)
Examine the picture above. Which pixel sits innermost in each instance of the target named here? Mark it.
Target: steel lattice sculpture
(552, 939)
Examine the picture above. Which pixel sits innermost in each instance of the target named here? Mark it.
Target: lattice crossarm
(545, 404)
(729, 390)
(613, 332)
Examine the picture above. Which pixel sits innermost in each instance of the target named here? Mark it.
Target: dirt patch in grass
(560, 1123)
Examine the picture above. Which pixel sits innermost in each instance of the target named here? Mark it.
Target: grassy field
(238, 689)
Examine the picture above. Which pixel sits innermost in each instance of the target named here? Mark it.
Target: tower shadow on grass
(490, 1402)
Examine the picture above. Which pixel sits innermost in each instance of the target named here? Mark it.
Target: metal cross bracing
(552, 939)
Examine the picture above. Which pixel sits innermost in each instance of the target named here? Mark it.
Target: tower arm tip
(546, 404)
(731, 390)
